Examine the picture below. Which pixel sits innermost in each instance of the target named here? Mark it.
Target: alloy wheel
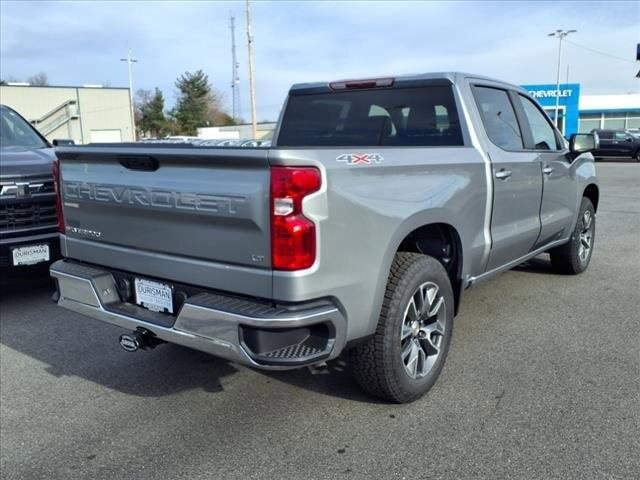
(586, 236)
(423, 329)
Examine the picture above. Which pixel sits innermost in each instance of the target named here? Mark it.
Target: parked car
(617, 144)
(209, 143)
(229, 143)
(28, 224)
(359, 231)
(256, 143)
(181, 139)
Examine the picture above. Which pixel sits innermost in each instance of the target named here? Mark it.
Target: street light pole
(129, 61)
(252, 86)
(560, 35)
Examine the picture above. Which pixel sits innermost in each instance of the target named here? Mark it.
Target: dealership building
(87, 114)
(583, 113)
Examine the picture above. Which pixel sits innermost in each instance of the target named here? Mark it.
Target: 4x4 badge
(359, 158)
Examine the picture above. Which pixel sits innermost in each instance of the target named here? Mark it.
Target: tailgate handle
(145, 164)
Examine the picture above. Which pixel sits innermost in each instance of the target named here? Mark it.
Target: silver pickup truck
(379, 204)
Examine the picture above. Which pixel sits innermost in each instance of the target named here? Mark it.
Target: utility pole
(560, 35)
(235, 77)
(252, 86)
(129, 61)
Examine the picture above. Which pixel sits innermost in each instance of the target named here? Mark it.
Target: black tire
(637, 155)
(567, 258)
(378, 364)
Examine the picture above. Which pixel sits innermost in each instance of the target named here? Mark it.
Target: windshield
(424, 116)
(16, 133)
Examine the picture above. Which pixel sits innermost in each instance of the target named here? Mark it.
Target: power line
(593, 50)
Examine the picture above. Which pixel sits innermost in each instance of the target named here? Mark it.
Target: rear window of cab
(413, 116)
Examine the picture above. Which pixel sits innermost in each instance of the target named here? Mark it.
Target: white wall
(214, 133)
(609, 102)
(95, 109)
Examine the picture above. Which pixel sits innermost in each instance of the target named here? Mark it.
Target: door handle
(503, 174)
(547, 170)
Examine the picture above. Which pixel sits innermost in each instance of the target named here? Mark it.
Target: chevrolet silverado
(379, 203)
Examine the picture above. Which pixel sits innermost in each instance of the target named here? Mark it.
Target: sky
(77, 43)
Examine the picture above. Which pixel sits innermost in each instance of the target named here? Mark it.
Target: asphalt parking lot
(543, 381)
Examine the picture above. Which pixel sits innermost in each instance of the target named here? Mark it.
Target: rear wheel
(403, 359)
(637, 155)
(574, 256)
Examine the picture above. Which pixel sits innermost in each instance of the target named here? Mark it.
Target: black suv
(617, 144)
(28, 221)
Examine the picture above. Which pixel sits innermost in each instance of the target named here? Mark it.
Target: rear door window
(606, 134)
(499, 117)
(415, 116)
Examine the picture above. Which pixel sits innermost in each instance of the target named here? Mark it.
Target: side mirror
(582, 143)
(61, 142)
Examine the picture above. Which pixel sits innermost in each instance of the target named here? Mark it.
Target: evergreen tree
(192, 107)
(198, 104)
(152, 118)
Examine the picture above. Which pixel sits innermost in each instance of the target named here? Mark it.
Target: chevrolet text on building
(550, 93)
(583, 113)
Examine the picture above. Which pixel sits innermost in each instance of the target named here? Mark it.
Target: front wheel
(403, 359)
(574, 256)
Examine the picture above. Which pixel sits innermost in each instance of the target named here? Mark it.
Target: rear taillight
(293, 236)
(58, 188)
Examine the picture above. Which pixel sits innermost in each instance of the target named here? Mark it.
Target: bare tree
(216, 114)
(141, 99)
(39, 79)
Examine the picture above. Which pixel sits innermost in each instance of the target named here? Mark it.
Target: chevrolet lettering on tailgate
(147, 197)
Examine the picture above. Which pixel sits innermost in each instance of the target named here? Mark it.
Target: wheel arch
(592, 192)
(441, 241)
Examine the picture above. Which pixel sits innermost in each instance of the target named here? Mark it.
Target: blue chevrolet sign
(569, 94)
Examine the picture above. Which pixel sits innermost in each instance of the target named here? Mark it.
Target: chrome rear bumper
(208, 322)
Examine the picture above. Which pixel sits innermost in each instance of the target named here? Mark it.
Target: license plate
(30, 255)
(154, 296)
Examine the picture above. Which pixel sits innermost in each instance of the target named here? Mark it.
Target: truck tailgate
(189, 205)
